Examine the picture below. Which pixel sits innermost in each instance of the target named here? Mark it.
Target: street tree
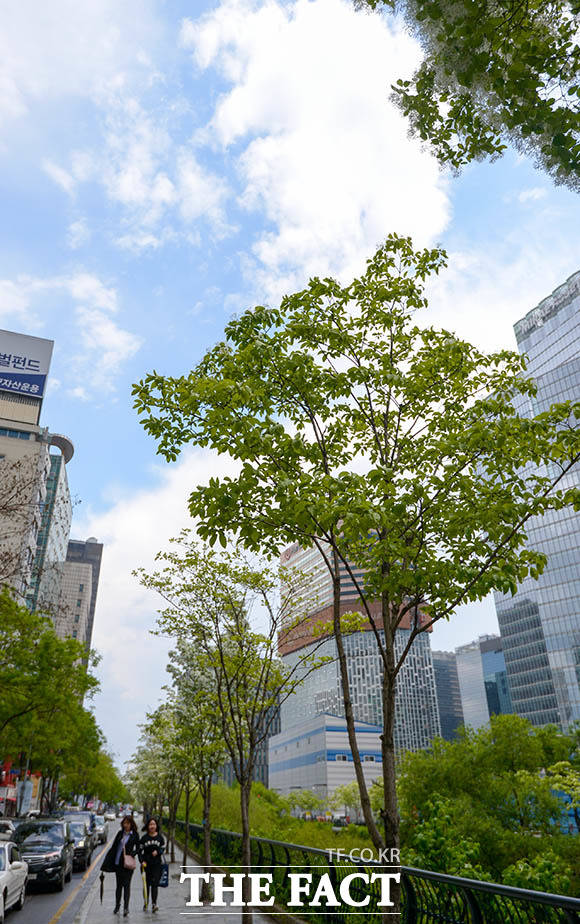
(213, 600)
(42, 678)
(395, 449)
(199, 737)
(495, 71)
(164, 734)
(346, 797)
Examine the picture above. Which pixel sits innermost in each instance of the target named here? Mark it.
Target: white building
(316, 755)
(416, 716)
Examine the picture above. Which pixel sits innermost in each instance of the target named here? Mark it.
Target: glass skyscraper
(540, 625)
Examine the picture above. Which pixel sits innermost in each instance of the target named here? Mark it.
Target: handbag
(129, 862)
(164, 878)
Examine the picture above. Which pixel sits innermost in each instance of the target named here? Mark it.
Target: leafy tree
(485, 806)
(210, 600)
(306, 801)
(93, 775)
(165, 734)
(495, 71)
(391, 447)
(198, 735)
(43, 682)
(346, 796)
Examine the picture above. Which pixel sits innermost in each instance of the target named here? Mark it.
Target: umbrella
(144, 878)
(102, 877)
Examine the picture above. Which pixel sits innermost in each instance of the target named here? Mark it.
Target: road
(49, 907)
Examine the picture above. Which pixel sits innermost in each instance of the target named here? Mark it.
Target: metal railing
(426, 897)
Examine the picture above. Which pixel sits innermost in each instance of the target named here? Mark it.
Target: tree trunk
(390, 811)
(374, 833)
(245, 792)
(186, 831)
(206, 821)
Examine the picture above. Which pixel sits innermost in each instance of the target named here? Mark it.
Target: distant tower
(417, 716)
(540, 625)
(88, 553)
(448, 693)
(483, 681)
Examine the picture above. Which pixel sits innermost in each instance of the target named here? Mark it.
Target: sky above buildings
(164, 165)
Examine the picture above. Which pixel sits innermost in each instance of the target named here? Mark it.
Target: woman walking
(151, 848)
(120, 859)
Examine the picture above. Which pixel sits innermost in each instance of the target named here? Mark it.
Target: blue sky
(164, 165)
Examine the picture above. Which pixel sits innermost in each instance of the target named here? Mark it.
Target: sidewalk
(172, 904)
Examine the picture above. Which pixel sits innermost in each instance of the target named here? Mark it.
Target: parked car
(101, 829)
(83, 844)
(87, 818)
(47, 847)
(13, 878)
(7, 826)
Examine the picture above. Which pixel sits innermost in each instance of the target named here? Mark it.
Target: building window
(77, 617)
(81, 588)
(74, 633)
(369, 759)
(79, 602)
(342, 757)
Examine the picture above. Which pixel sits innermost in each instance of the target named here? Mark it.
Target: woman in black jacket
(120, 859)
(151, 848)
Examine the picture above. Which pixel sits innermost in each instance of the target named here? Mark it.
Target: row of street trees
(44, 725)
(388, 445)
(227, 679)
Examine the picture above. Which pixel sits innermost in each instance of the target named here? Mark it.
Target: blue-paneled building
(540, 626)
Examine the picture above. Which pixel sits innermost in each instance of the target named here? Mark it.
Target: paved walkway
(172, 905)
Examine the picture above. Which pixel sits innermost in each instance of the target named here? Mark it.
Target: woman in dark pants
(126, 844)
(151, 851)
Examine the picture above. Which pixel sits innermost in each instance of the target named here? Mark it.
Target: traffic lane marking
(75, 891)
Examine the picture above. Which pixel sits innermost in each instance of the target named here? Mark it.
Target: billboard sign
(24, 363)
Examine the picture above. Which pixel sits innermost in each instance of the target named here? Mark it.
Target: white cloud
(319, 149)
(78, 234)
(533, 194)
(133, 529)
(490, 285)
(60, 176)
(104, 344)
(66, 49)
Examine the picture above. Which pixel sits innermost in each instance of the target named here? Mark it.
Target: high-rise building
(483, 685)
(417, 716)
(74, 609)
(35, 504)
(88, 553)
(52, 540)
(448, 693)
(540, 625)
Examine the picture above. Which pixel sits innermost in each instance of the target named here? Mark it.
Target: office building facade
(417, 715)
(483, 683)
(540, 625)
(52, 540)
(316, 755)
(89, 552)
(448, 693)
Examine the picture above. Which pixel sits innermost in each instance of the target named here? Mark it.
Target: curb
(83, 912)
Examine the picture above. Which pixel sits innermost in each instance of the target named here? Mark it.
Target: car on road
(7, 826)
(88, 818)
(83, 844)
(109, 816)
(101, 829)
(47, 847)
(13, 878)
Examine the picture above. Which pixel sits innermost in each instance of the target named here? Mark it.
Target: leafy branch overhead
(495, 71)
